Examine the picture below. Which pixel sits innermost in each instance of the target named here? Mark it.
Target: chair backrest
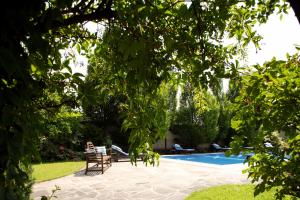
(90, 146)
(177, 147)
(119, 150)
(216, 146)
(98, 149)
(114, 147)
(93, 157)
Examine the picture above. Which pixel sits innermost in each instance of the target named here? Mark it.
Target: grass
(49, 171)
(231, 192)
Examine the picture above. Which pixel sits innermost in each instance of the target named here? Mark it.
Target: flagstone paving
(171, 180)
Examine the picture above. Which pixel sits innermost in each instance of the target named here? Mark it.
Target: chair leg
(102, 166)
(86, 169)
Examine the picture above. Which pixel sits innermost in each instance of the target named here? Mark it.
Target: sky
(81, 61)
(279, 37)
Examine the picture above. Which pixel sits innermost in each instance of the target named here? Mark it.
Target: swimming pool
(210, 158)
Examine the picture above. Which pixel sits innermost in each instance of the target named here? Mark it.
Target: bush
(190, 134)
(63, 139)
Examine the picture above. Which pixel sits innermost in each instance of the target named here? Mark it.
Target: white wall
(160, 144)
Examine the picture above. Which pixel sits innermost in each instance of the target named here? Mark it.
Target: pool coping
(202, 163)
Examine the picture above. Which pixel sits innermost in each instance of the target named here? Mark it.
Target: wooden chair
(92, 156)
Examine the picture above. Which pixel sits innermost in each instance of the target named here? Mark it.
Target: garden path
(171, 180)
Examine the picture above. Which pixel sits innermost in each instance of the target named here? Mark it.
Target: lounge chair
(98, 156)
(268, 145)
(216, 147)
(118, 153)
(178, 149)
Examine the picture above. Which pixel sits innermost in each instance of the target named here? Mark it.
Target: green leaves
(147, 119)
(152, 43)
(269, 105)
(144, 45)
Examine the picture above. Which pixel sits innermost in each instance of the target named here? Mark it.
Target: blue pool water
(212, 158)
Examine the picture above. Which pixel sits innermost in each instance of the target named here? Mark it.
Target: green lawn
(230, 192)
(48, 171)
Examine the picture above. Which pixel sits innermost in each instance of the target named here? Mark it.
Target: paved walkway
(171, 180)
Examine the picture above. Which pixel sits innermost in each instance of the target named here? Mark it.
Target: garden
(151, 67)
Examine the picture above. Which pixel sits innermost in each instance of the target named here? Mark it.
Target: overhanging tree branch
(95, 16)
(295, 4)
(73, 16)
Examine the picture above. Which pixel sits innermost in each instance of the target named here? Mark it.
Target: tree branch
(101, 12)
(76, 8)
(295, 4)
(95, 16)
(52, 105)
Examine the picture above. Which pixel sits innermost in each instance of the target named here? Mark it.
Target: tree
(270, 103)
(144, 41)
(186, 121)
(210, 117)
(103, 116)
(296, 7)
(150, 42)
(196, 119)
(30, 65)
(61, 137)
(225, 130)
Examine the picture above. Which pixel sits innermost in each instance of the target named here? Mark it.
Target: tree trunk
(295, 4)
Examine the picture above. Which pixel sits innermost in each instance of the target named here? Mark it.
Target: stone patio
(171, 180)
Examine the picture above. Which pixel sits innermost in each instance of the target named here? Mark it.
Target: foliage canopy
(269, 103)
(143, 44)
